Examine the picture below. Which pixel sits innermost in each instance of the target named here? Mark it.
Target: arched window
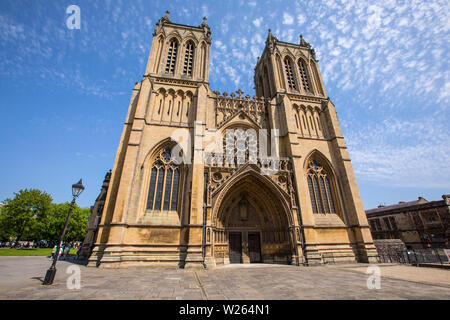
(304, 76)
(164, 183)
(172, 56)
(188, 58)
(320, 188)
(289, 73)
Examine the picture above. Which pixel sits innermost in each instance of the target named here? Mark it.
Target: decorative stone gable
(229, 106)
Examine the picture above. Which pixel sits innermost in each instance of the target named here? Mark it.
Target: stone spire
(271, 41)
(161, 22)
(303, 43)
(204, 24)
(206, 30)
(166, 17)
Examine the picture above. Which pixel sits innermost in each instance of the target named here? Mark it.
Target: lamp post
(77, 189)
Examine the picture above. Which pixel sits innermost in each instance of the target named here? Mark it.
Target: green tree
(56, 218)
(4, 232)
(24, 215)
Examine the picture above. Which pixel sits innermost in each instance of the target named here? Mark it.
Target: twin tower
(203, 178)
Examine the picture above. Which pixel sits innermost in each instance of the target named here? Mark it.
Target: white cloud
(444, 93)
(402, 22)
(255, 52)
(301, 19)
(257, 38)
(238, 54)
(225, 23)
(220, 45)
(287, 18)
(257, 22)
(379, 153)
(205, 11)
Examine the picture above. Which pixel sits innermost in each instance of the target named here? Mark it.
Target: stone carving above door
(219, 177)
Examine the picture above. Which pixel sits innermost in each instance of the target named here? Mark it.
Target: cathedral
(203, 178)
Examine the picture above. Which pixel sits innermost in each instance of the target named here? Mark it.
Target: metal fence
(328, 258)
(414, 256)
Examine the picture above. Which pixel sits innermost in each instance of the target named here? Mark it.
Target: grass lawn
(30, 252)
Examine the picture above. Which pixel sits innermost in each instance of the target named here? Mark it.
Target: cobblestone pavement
(21, 278)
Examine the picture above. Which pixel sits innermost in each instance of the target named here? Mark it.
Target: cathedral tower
(261, 179)
(332, 216)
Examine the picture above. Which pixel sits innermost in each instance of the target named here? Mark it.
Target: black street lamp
(77, 189)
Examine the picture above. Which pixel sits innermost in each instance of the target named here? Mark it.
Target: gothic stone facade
(293, 205)
(94, 220)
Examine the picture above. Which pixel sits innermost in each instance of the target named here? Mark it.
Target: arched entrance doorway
(252, 223)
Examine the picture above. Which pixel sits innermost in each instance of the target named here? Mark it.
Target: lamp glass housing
(77, 188)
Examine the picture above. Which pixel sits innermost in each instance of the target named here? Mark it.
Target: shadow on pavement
(38, 278)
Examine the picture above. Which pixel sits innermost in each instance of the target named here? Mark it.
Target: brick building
(419, 224)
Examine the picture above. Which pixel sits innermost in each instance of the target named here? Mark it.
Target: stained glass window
(151, 191)
(327, 184)
(311, 192)
(159, 187)
(164, 183)
(319, 188)
(176, 180)
(167, 189)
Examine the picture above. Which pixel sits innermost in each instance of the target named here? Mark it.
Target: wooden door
(254, 247)
(235, 242)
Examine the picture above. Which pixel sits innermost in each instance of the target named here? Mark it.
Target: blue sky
(64, 93)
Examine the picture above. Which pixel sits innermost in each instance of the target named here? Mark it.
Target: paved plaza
(21, 278)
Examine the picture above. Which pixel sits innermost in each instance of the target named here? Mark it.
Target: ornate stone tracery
(164, 183)
(227, 107)
(320, 190)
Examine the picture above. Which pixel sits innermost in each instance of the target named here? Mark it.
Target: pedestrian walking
(66, 250)
(54, 252)
(78, 252)
(60, 251)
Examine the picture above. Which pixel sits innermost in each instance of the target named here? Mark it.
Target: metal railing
(328, 258)
(414, 256)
